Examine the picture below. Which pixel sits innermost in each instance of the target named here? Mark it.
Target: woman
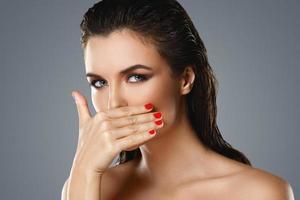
(148, 52)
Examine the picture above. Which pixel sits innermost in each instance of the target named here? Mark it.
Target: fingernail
(157, 115)
(159, 122)
(152, 132)
(148, 106)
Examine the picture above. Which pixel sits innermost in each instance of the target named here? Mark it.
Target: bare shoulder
(240, 182)
(261, 184)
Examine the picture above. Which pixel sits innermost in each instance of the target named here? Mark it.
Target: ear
(187, 80)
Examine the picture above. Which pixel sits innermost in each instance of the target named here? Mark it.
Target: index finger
(129, 110)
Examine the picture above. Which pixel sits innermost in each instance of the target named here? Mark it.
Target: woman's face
(108, 56)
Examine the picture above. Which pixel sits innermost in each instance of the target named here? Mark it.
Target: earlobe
(187, 82)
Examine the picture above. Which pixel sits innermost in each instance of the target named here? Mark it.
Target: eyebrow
(124, 71)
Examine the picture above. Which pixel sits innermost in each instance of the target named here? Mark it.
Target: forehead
(120, 49)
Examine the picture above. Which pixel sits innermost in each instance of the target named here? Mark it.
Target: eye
(98, 84)
(139, 76)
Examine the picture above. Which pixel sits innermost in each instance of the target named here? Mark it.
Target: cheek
(166, 102)
(98, 101)
(164, 98)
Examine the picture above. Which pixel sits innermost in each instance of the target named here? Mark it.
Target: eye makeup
(139, 77)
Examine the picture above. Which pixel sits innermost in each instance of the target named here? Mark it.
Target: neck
(174, 154)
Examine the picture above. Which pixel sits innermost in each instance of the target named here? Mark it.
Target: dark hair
(167, 25)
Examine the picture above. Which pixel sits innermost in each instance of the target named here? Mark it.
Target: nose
(115, 99)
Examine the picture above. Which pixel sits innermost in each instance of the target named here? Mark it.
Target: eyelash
(141, 76)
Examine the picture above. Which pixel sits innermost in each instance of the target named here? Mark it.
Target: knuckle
(131, 140)
(133, 128)
(132, 120)
(105, 124)
(144, 135)
(107, 135)
(111, 148)
(126, 111)
(101, 116)
(117, 148)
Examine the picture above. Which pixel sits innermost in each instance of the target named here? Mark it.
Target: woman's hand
(103, 136)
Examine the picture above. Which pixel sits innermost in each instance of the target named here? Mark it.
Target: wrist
(83, 171)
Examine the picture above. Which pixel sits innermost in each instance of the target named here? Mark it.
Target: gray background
(253, 47)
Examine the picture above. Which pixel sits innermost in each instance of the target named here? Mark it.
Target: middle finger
(135, 119)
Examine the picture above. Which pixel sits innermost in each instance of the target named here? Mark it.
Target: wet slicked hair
(166, 24)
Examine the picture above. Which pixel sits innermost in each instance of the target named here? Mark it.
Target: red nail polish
(157, 115)
(159, 122)
(148, 106)
(152, 132)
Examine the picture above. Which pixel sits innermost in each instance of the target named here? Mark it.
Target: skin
(174, 163)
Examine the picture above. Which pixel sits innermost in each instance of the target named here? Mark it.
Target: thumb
(82, 107)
